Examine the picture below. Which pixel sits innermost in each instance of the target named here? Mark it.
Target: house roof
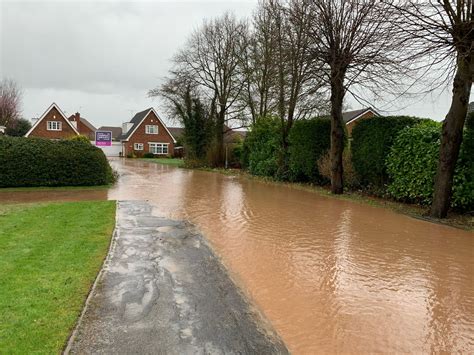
(230, 135)
(85, 121)
(138, 119)
(355, 114)
(177, 132)
(53, 105)
(234, 136)
(116, 131)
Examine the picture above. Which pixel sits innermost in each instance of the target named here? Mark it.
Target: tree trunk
(220, 128)
(337, 132)
(451, 138)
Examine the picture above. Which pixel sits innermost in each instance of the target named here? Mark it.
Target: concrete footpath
(163, 291)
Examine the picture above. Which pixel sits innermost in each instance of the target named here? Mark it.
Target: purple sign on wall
(103, 138)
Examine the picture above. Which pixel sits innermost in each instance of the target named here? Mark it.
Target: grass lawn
(50, 255)
(165, 161)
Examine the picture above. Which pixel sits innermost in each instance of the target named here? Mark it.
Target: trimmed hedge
(262, 147)
(413, 161)
(309, 140)
(371, 142)
(463, 187)
(43, 162)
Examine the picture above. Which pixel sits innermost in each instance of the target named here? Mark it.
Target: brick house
(351, 118)
(147, 133)
(53, 124)
(84, 127)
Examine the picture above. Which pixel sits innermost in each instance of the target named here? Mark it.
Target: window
(138, 146)
(54, 126)
(151, 129)
(159, 148)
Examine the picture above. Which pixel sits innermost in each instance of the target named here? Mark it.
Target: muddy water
(331, 275)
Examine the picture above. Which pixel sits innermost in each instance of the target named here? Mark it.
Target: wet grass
(50, 255)
(457, 220)
(165, 161)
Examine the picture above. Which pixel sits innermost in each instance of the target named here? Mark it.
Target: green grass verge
(165, 161)
(50, 255)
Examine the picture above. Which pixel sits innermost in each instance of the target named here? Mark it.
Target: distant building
(147, 133)
(53, 124)
(116, 131)
(84, 127)
(351, 118)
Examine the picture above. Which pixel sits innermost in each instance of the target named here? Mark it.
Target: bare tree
(259, 67)
(299, 85)
(211, 58)
(278, 71)
(442, 32)
(358, 47)
(10, 102)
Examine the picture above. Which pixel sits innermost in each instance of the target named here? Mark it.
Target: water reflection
(331, 275)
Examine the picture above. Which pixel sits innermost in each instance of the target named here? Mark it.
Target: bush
(148, 155)
(371, 142)
(308, 140)
(262, 147)
(413, 161)
(350, 177)
(43, 162)
(80, 138)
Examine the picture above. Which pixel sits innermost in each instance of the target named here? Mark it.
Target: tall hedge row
(43, 162)
(463, 189)
(261, 147)
(371, 142)
(412, 164)
(308, 140)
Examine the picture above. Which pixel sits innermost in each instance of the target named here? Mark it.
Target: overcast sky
(100, 58)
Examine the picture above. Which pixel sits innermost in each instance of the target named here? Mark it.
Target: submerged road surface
(330, 275)
(163, 291)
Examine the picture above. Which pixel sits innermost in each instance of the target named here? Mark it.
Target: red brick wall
(41, 130)
(350, 126)
(141, 137)
(86, 131)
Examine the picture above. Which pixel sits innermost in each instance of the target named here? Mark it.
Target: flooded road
(331, 275)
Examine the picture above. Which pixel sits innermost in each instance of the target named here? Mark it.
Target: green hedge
(262, 147)
(309, 140)
(463, 187)
(371, 142)
(412, 164)
(43, 162)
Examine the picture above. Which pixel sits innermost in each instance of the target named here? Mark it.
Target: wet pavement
(164, 291)
(330, 275)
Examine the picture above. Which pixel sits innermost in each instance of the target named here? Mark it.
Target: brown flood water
(331, 275)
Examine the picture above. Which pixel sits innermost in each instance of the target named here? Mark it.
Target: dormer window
(54, 126)
(151, 129)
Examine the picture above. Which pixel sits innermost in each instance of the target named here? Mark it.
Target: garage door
(112, 151)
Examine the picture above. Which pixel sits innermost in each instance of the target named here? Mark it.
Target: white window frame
(54, 125)
(158, 148)
(150, 129)
(137, 146)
